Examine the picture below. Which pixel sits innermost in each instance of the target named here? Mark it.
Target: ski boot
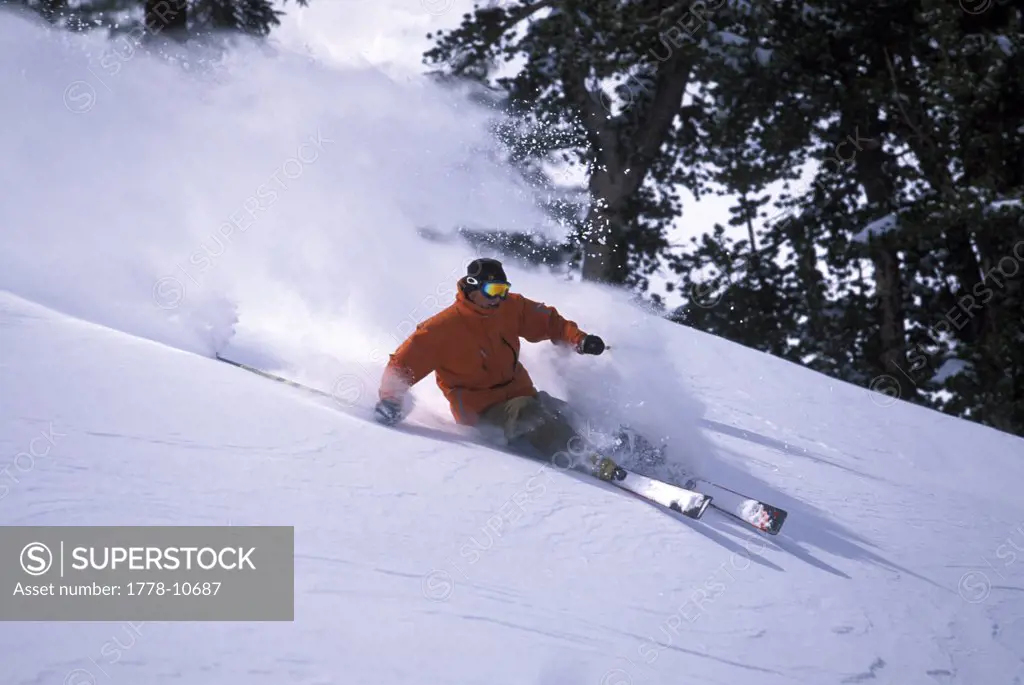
(606, 469)
(636, 448)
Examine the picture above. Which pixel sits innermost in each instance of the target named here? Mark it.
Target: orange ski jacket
(474, 353)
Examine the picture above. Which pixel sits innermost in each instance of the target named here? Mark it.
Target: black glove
(591, 345)
(388, 412)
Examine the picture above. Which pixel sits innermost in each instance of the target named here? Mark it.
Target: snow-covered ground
(128, 254)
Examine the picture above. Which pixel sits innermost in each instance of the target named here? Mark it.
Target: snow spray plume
(258, 186)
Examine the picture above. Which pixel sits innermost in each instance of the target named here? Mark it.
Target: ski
(686, 501)
(279, 379)
(760, 515)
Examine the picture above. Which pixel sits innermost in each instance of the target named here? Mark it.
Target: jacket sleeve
(540, 322)
(414, 359)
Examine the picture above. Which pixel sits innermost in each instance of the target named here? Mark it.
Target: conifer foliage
(171, 18)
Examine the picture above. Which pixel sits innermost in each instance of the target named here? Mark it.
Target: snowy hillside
(268, 209)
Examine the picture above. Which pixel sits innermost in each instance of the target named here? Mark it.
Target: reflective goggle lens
(495, 289)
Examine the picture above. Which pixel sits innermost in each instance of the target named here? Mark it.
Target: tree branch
(671, 79)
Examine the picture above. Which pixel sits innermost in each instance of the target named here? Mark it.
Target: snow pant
(543, 422)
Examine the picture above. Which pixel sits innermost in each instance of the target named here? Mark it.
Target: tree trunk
(624, 149)
(604, 227)
(871, 169)
(892, 333)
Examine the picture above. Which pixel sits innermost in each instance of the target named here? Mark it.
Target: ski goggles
(494, 290)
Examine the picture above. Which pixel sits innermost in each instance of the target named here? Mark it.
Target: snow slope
(421, 556)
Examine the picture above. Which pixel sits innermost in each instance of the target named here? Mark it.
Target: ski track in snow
(902, 560)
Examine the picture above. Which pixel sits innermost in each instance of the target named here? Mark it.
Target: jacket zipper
(515, 357)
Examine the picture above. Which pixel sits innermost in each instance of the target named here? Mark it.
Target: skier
(472, 346)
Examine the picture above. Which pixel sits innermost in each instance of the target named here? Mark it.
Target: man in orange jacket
(472, 346)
